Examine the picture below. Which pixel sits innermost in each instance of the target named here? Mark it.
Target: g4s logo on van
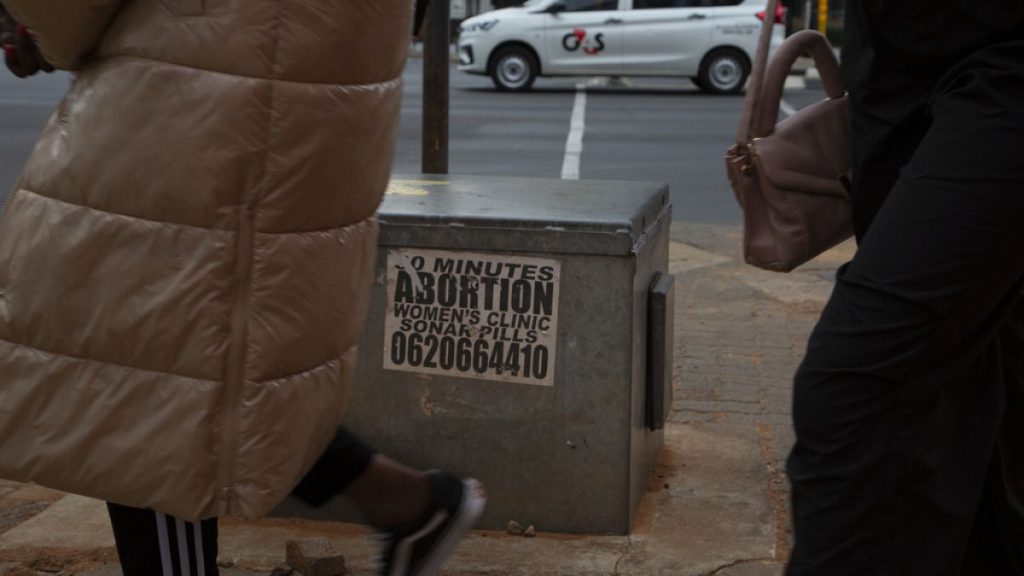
(577, 39)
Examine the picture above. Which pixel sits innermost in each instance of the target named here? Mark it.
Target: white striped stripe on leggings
(150, 543)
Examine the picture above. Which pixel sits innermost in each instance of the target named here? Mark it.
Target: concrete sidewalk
(715, 506)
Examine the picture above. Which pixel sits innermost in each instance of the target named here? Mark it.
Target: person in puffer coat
(185, 265)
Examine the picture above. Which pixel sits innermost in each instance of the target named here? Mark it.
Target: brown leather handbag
(792, 178)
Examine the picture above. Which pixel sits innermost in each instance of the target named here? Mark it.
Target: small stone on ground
(314, 557)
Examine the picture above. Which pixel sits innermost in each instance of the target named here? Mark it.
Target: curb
(416, 51)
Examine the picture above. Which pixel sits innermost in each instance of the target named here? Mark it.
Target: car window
(590, 5)
(650, 4)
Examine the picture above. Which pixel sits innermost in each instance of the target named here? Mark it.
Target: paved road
(655, 129)
(24, 107)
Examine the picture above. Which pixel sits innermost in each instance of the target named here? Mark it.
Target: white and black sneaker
(456, 504)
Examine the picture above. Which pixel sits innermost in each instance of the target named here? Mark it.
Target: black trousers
(153, 544)
(909, 405)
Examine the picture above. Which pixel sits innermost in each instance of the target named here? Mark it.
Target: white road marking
(786, 108)
(794, 82)
(574, 142)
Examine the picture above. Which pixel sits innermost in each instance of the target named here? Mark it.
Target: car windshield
(534, 3)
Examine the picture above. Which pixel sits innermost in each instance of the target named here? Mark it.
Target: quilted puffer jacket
(185, 263)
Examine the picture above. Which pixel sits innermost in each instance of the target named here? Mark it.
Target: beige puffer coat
(186, 261)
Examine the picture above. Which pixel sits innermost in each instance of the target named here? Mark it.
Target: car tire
(723, 71)
(514, 69)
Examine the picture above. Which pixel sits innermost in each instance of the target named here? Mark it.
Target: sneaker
(421, 550)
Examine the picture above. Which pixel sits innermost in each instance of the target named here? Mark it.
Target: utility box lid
(533, 215)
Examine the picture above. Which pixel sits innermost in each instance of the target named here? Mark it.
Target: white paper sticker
(481, 316)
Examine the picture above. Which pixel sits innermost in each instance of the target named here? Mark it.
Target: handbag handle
(753, 101)
(803, 43)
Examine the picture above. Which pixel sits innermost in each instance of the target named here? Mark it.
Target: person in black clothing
(909, 405)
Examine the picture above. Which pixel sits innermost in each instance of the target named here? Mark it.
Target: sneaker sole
(473, 503)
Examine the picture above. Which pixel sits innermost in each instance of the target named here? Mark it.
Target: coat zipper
(234, 380)
(3, 215)
(60, 115)
(17, 186)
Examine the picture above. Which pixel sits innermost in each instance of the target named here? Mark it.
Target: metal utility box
(520, 332)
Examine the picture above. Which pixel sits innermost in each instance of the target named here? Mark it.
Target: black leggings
(909, 406)
(153, 544)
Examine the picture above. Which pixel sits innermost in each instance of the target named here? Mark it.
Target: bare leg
(390, 494)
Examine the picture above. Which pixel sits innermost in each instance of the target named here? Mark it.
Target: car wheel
(514, 69)
(723, 72)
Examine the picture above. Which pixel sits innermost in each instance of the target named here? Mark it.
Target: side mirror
(556, 8)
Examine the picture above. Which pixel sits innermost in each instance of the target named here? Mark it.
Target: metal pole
(435, 88)
(808, 12)
(823, 16)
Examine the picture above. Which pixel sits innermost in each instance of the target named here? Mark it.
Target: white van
(710, 41)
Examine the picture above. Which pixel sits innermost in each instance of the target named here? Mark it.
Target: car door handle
(696, 16)
(613, 21)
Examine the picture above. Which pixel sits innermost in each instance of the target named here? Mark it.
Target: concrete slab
(714, 510)
(706, 506)
(808, 287)
(14, 512)
(260, 546)
(796, 288)
(684, 258)
(6, 487)
(753, 569)
(71, 522)
(105, 570)
(543, 555)
(36, 493)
